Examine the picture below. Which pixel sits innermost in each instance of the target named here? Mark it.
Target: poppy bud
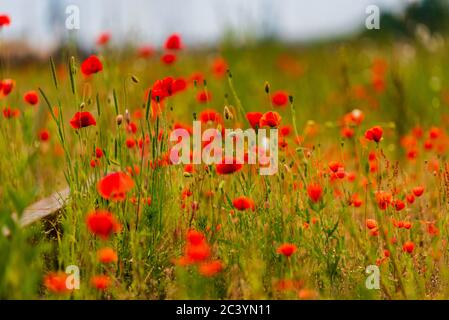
(134, 79)
(267, 87)
(119, 119)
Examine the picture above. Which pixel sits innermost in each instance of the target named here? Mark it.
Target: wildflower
(315, 192)
(307, 294)
(5, 20)
(271, 119)
(209, 269)
(56, 282)
(168, 58)
(374, 134)
(371, 224)
(210, 115)
(408, 247)
(225, 168)
(243, 203)
(44, 135)
(6, 86)
(91, 65)
(410, 198)
(102, 223)
(115, 185)
(9, 113)
(145, 51)
(173, 42)
(31, 97)
(195, 237)
(286, 249)
(280, 99)
(82, 119)
(107, 255)
(98, 153)
(399, 205)
(162, 89)
(418, 191)
(100, 282)
(219, 67)
(103, 38)
(203, 96)
(130, 143)
(254, 118)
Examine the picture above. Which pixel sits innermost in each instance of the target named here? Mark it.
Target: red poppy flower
(9, 113)
(5, 20)
(162, 89)
(102, 223)
(209, 269)
(91, 65)
(371, 224)
(219, 67)
(209, 115)
(115, 186)
(254, 118)
(44, 135)
(224, 168)
(197, 252)
(146, 51)
(168, 58)
(31, 97)
(408, 247)
(98, 153)
(56, 282)
(203, 96)
(271, 119)
(243, 203)
(173, 42)
(280, 99)
(107, 255)
(399, 205)
(418, 191)
(374, 134)
(195, 237)
(6, 86)
(179, 85)
(315, 192)
(103, 38)
(100, 282)
(286, 249)
(82, 119)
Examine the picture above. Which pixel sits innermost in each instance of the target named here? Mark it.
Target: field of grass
(340, 201)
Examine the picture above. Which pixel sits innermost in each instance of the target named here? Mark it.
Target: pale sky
(199, 21)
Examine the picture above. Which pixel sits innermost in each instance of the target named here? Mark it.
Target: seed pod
(119, 119)
(135, 79)
(227, 113)
(127, 116)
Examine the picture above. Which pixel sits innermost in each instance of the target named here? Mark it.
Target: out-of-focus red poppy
(162, 89)
(5, 20)
(102, 223)
(103, 38)
(374, 134)
(408, 247)
(270, 119)
(56, 282)
(115, 185)
(31, 97)
(9, 113)
(44, 135)
(228, 168)
(6, 86)
(418, 191)
(168, 58)
(203, 96)
(219, 67)
(286, 249)
(173, 42)
(91, 65)
(315, 192)
(179, 85)
(210, 269)
(280, 99)
(145, 52)
(107, 255)
(100, 282)
(82, 119)
(243, 203)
